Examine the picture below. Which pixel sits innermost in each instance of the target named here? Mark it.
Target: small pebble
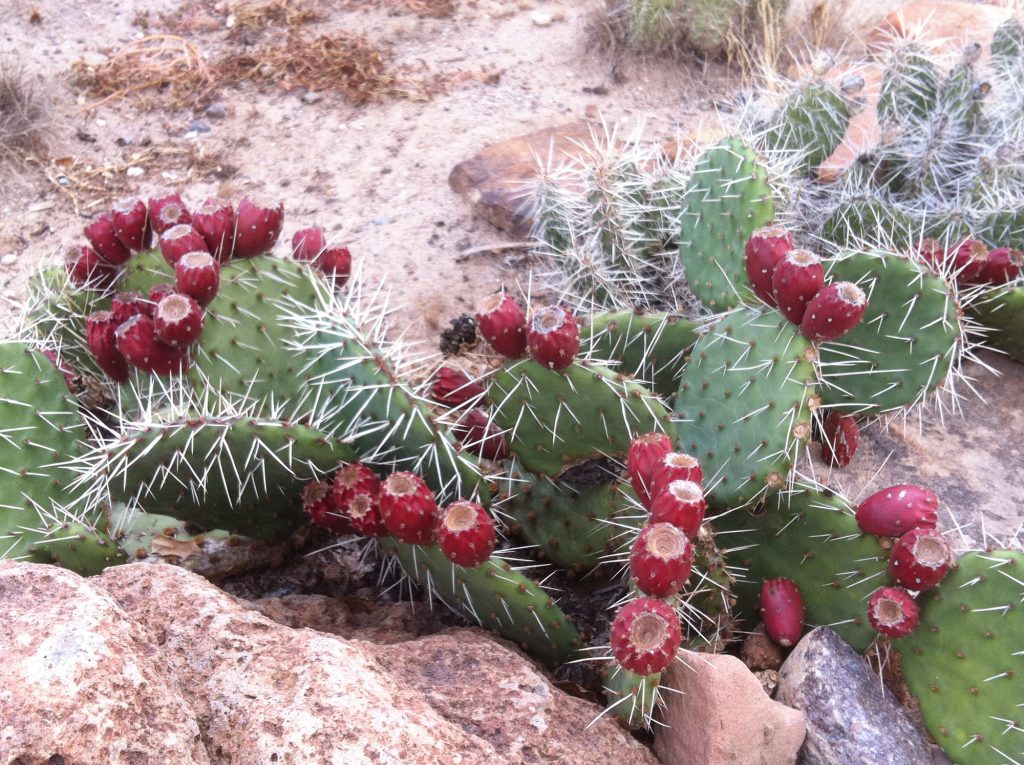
(378, 221)
(8, 260)
(199, 126)
(311, 97)
(541, 19)
(217, 111)
(134, 172)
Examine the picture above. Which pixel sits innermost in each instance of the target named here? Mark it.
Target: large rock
(721, 716)
(850, 718)
(81, 683)
(945, 24)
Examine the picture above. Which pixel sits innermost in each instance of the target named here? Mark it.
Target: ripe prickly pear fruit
(798, 277)
(920, 559)
(138, 343)
(681, 504)
(841, 439)
(894, 511)
(408, 508)
(646, 636)
(1003, 265)
(86, 268)
(645, 455)
(215, 222)
(782, 610)
(363, 511)
(353, 479)
(660, 560)
(318, 503)
(130, 218)
(257, 226)
(103, 238)
(553, 338)
(124, 305)
(159, 291)
(178, 320)
(932, 252)
(356, 488)
(166, 212)
(481, 436)
(893, 612)
(969, 260)
(675, 466)
(765, 248)
(452, 387)
(502, 323)
(336, 265)
(308, 243)
(99, 334)
(833, 312)
(465, 533)
(197, 275)
(181, 239)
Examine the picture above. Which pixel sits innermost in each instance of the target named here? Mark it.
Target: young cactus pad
(631, 698)
(727, 200)
(557, 419)
(811, 125)
(743, 407)
(496, 597)
(964, 661)
(1002, 311)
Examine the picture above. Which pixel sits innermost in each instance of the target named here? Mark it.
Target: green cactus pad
(811, 125)
(55, 317)
(727, 200)
(144, 271)
(868, 222)
(1002, 311)
(810, 536)
(910, 88)
(1004, 229)
(554, 420)
(1008, 45)
(650, 347)
(631, 698)
(241, 474)
(964, 661)
(82, 548)
(41, 434)
(903, 348)
(496, 597)
(743, 406)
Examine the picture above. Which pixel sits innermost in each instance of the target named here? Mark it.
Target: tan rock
(722, 717)
(946, 25)
(80, 682)
(759, 651)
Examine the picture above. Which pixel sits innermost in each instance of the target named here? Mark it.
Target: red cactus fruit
(257, 226)
(308, 243)
(682, 504)
(798, 277)
(159, 291)
(932, 252)
(465, 533)
(782, 610)
(178, 320)
(86, 268)
(893, 612)
(318, 503)
(197, 275)
(660, 560)
(1003, 265)
(553, 338)
(99, 334)
(920, 559)
(408, 508)
(480, 436)
(138, 343)
(352, 479)
(675, 466)
(130, 218)
(215, 222)
(646, 453)
(363, 511)
(833, 312)
(452, 387)
(765, 248)
(841, 439)
(969, 261)
(336, 265)
(502, 323)
(124, 305)
(166, 212)
(895, 510)
(103, 238)
(645, 636)
(179, 240)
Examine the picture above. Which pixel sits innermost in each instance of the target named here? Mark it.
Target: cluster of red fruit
(552, 336)
(919, 559)
(793, 280)
(475, 430)
(974, 263)
(355, 500)
(646, 633)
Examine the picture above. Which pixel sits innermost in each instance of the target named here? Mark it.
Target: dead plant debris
(262, 14)
(23, 113)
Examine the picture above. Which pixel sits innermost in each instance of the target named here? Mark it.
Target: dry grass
(156, 71)
(256, 15)
(436, 9)
(23, 114)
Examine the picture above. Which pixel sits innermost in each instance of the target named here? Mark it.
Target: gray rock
(850, 718)
(217, 111)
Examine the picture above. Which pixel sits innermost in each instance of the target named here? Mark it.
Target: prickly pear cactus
(1001, 310)
(964, 661)
(727, 199)
(810, 126)
(631, 698)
